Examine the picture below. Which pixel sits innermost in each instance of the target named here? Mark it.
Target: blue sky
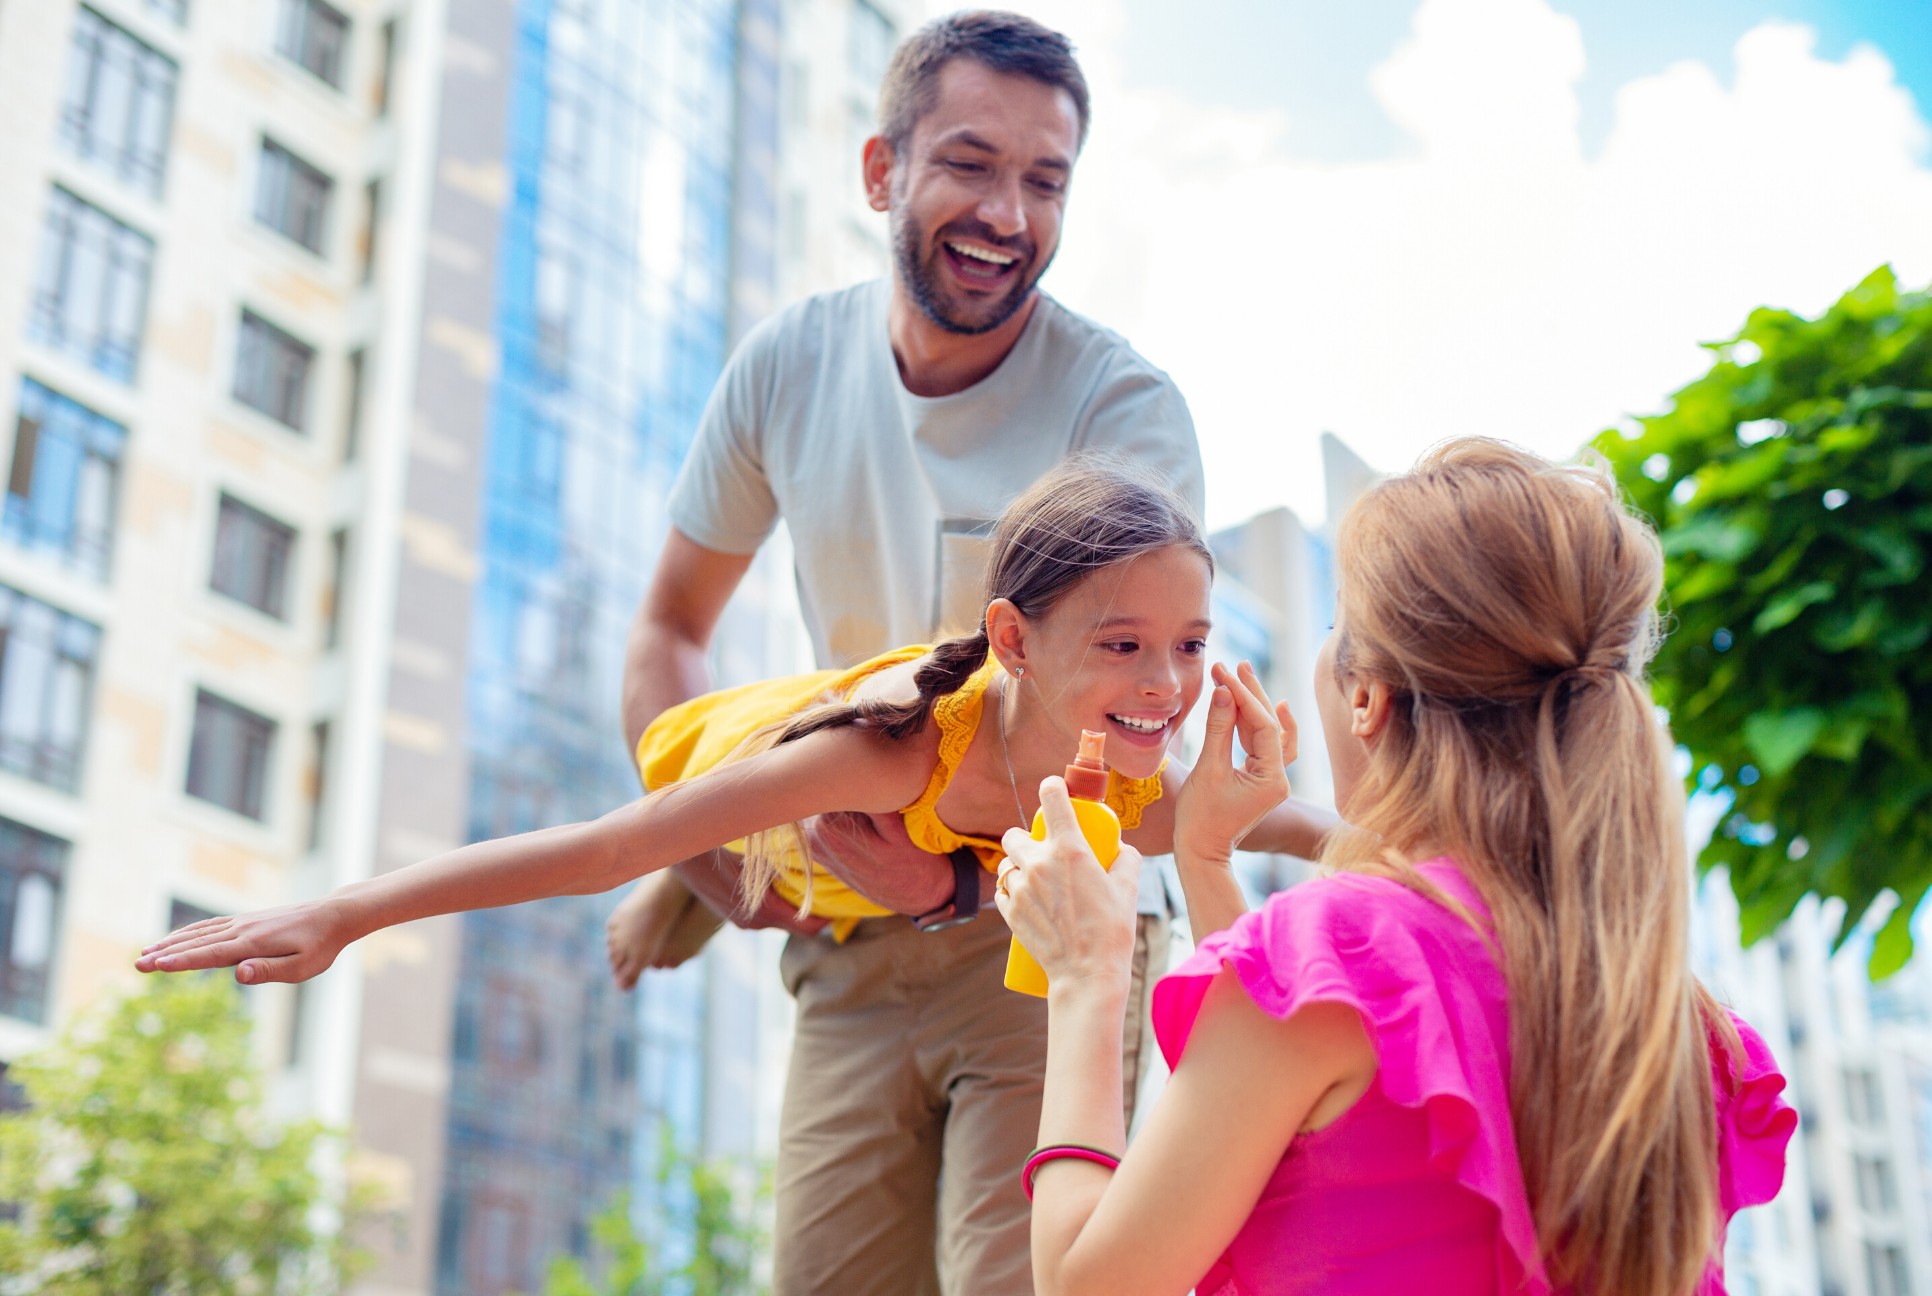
(1577, 195)
(1310, 58)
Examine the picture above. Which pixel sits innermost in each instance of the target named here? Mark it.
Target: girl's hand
(290, 943)
(1220, 801)
(1074, 917)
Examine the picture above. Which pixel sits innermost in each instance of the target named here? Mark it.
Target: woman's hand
(290, 943)
(1221, 801)
(1075, 918)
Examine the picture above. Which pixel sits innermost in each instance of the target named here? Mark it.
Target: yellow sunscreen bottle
(1087, 785)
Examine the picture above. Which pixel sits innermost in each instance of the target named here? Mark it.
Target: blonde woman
(1473, 1059)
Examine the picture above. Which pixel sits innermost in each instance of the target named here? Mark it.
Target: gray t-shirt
(890, 497)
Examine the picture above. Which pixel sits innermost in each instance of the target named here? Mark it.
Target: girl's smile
(1124, 654)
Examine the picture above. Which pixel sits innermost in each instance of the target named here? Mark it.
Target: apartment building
(351, 349)
(193, 302)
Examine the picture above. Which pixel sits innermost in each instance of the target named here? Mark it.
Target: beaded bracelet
(1063, 1151)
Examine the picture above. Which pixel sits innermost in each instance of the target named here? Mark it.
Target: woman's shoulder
(893, 684)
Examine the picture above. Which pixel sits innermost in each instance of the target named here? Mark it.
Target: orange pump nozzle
(1087, 776)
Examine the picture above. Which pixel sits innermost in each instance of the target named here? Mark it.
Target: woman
(1473, 1059)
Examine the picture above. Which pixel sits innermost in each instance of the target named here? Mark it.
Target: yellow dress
(698, 735)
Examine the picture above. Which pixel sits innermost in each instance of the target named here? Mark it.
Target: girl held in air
(1472, 1058)
(1097, 619)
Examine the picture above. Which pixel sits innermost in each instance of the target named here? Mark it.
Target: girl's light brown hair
(1510, 604)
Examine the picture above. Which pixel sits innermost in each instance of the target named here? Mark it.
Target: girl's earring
(1019, 672)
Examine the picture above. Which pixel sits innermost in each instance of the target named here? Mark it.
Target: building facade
(351, 349)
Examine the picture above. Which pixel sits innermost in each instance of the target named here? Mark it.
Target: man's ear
(1006, 633)
(877, 163)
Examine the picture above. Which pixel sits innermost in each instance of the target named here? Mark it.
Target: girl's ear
(1006, 634)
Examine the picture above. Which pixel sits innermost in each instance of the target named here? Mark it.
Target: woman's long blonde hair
(1511, 605)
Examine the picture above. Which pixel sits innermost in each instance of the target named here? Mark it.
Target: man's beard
(921, 275)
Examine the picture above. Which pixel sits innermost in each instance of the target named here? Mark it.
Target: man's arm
(664, 655)
(664, 665)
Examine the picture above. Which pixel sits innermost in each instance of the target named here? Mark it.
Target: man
(888, 424)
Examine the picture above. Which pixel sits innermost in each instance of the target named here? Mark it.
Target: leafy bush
(712, 1212)
(142, 1162)
(1793, 487)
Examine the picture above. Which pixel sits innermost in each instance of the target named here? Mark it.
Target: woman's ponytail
(1511, 605)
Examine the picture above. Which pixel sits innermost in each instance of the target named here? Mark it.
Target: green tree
(717, 1215)
(1793, 487)
(143, 1164)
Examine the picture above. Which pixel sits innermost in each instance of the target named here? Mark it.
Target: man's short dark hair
(1008, 43)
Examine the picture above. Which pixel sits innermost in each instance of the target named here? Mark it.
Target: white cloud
(1494, 281)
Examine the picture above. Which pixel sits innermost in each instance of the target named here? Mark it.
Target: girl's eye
(1194, 647)
(1120, 646)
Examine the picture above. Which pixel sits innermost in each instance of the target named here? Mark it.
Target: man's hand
(717, 880)
(875, 856)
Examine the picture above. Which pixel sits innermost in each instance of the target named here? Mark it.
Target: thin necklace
(1008, 753)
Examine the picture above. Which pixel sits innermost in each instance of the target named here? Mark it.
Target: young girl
(1473, 1059)
(1097, 619)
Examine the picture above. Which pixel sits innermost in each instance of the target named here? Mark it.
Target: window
(873, 40)
(371, 218)
(65, 480)
(251, 557)
(1876, 1192)
(313, 34)
(352, 420)
(291, 196)
(32, 866)
(46, 678)
(1863, 1103)
(318, 780)
(182, 914)
(338, 576)
(556, 293)
(1886, 1269)
(272, 371)
(228, 760)
(386, 71)
(120, 97)
(91, 289)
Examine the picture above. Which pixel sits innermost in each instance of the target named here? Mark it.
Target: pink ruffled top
(1417, 1186)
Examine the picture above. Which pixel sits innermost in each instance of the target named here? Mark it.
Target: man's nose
(1002, 208)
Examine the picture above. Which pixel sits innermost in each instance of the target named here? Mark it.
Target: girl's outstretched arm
(834, 769)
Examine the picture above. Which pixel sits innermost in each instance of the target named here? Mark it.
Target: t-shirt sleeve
(723, 496)
(1141, 413)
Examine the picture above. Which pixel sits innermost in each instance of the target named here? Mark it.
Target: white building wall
(140, 843)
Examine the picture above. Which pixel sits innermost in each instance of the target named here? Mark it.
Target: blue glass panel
(612, 287)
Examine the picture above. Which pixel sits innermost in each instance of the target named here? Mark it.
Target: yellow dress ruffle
(696, 736)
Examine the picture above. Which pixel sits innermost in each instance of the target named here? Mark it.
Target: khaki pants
(910, 1057)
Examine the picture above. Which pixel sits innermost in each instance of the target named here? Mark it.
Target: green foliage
(143, 1164)
(717, 1216)
(1793, 487)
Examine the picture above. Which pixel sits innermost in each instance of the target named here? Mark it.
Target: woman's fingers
(1290, 734)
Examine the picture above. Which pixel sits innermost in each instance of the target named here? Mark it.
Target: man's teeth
(983, 254)
(1138, 725)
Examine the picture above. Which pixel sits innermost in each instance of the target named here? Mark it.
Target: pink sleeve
(1754, 1122)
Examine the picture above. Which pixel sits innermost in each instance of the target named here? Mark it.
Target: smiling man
(888, 424)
